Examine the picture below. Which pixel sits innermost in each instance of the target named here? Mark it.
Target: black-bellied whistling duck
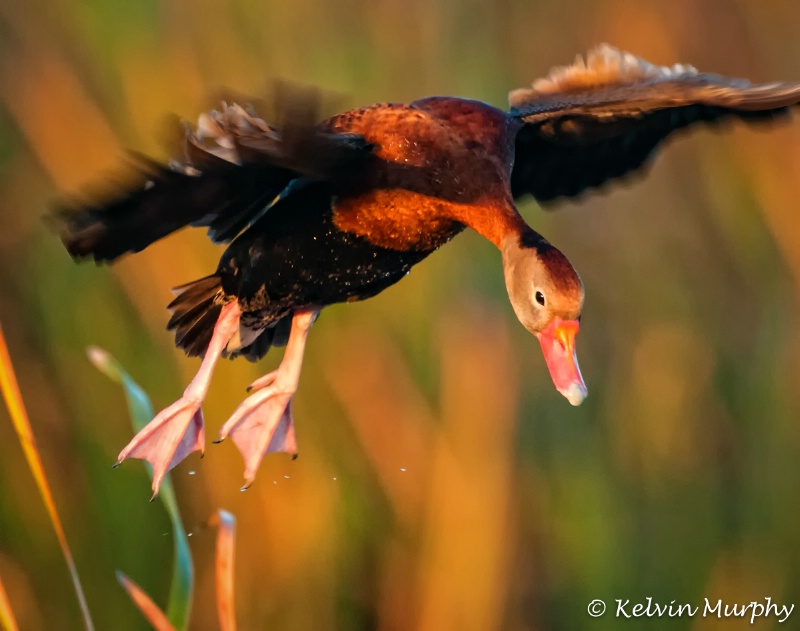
(338, 211)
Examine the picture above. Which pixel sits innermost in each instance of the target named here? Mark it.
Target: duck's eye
(540, 298)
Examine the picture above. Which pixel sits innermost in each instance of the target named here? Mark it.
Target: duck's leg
(263, 422)
(178, 430)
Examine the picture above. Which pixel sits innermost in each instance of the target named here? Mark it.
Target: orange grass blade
(19, 418)
(7, 620)
(226, 539)
(149, 609)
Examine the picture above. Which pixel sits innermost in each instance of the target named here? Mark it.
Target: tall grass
(22, 425)
(180, 598)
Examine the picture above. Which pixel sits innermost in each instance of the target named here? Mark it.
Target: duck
(317, 213)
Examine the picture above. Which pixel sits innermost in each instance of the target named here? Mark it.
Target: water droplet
(192, 472)
(334, 479)
(286, 477)
(189, 534)
(274, 481)
(403, 469)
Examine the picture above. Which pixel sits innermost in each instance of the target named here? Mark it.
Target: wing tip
(604, 65)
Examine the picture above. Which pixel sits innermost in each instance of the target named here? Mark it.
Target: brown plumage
(319, 213)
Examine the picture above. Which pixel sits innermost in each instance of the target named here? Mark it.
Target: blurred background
(442, 482)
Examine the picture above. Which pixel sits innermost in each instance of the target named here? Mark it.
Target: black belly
(294, 257)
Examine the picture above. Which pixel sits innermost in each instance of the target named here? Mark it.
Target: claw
(263, 382)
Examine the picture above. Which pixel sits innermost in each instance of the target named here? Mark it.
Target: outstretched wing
(601, 119)
(235, 165)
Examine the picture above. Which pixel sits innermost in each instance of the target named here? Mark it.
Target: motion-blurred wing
(601, 119)
(235, 165)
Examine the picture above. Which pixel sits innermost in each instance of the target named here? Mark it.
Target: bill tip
(575, 394)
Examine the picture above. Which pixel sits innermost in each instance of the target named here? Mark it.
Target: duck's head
(547, 295)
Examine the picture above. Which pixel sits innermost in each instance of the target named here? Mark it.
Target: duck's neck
(496, 220)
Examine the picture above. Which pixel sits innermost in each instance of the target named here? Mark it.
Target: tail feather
(188, 319)
(196, 339)
(195, 311)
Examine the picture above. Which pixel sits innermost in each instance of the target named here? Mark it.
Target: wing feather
(234, 167)
(603, 118)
